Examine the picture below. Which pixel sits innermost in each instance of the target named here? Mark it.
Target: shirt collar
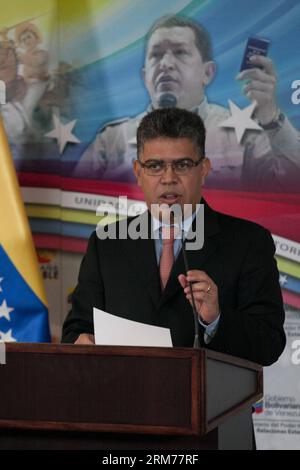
(184, 225)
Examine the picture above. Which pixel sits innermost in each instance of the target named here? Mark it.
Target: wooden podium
(104, 397)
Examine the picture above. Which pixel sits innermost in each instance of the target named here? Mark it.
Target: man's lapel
(142, 258)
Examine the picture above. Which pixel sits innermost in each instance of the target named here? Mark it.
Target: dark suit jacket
(122, 278)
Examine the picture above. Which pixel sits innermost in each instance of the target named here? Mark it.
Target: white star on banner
(63, 133)
(1, 279)
(5, 310)
(240, 120)
(282, 280)
(7, 337)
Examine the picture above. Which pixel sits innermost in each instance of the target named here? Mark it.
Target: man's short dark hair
(202, 38)
(171, 123)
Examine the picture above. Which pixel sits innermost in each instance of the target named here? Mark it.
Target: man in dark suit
(234, 275)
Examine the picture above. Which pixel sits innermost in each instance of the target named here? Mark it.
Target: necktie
(167, 255)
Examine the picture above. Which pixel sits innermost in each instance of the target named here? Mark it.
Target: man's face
(170, 188)
(174, 65)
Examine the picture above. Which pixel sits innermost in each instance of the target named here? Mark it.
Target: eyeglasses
(179, 167)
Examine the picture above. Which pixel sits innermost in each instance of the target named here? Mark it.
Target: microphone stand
(195, 313)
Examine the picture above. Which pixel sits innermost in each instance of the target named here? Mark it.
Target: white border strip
(83, 201)
(287, 248)
(110, 204)
(42, 196)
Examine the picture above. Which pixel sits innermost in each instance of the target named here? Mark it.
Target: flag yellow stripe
(15, 234)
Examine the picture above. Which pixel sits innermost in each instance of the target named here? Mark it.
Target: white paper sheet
(112, 330)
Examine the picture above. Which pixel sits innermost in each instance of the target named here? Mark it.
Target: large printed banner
(80, 74)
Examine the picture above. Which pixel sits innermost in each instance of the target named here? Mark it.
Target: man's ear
(137, 171)
(206, 166)
(209, 71)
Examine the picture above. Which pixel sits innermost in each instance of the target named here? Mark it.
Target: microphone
(195, 313)
(167, 100)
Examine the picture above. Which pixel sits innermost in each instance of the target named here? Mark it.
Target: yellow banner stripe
(288, 267)
(67, 215)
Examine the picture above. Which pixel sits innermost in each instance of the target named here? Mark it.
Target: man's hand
(85, 338)
(261, 88)
(205, 294)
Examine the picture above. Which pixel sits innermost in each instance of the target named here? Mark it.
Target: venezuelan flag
(23, 305)
(259, 406)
